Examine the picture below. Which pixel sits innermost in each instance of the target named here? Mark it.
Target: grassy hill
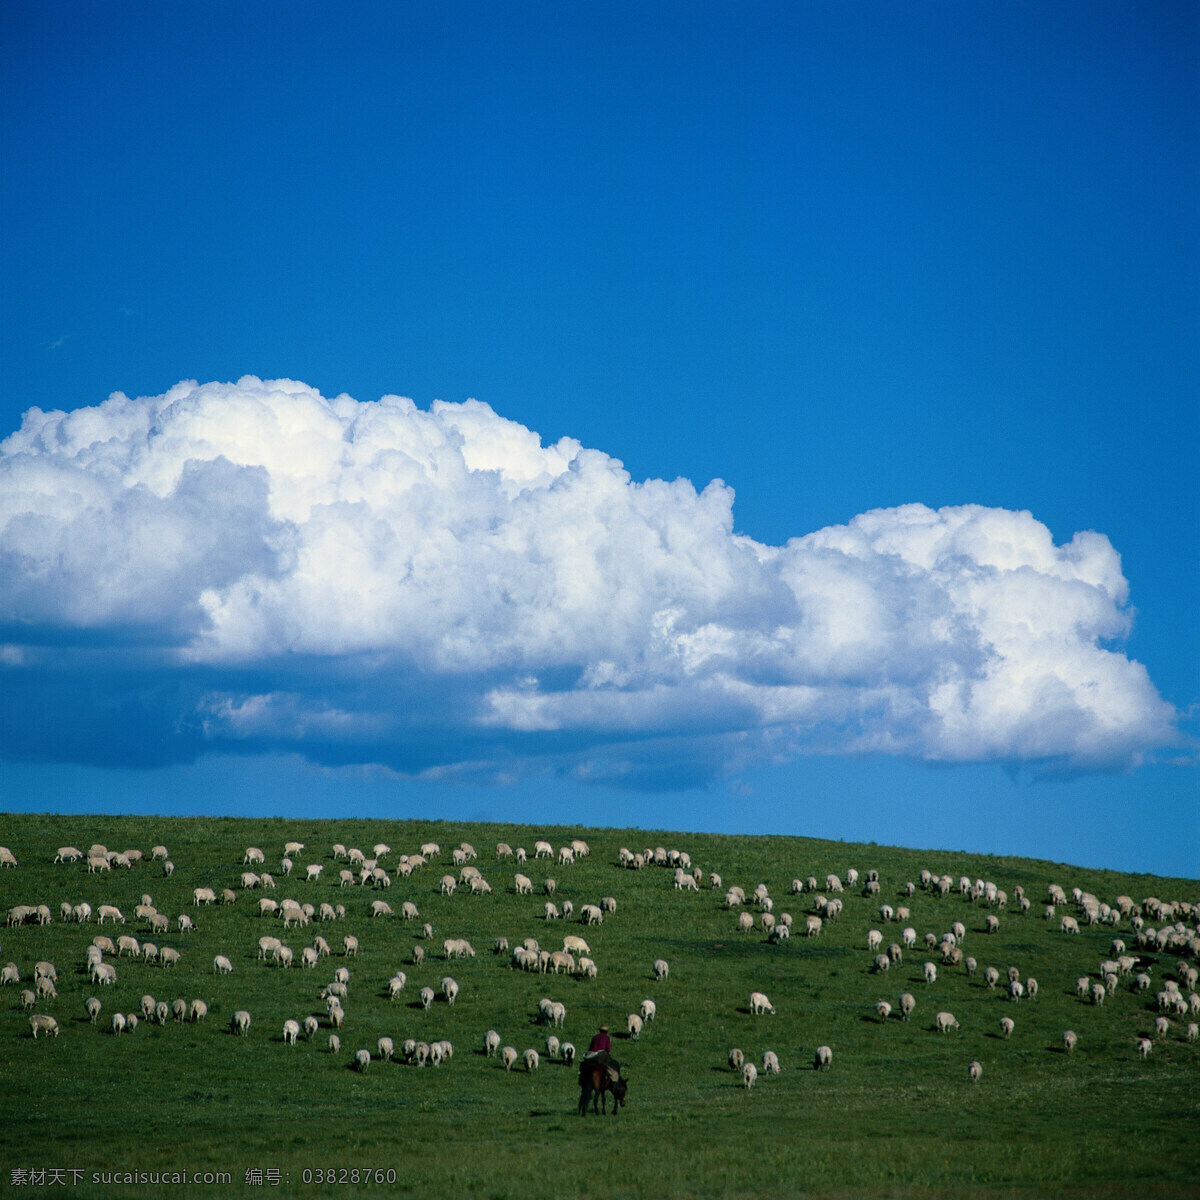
(896, 1115)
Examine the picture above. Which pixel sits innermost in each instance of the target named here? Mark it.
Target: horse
(596, 1081)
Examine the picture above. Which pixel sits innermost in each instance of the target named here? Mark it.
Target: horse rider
(601, 1049)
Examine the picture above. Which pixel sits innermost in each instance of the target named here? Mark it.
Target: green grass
(895, 1116)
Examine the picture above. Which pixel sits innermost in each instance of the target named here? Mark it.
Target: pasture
(896, 1114)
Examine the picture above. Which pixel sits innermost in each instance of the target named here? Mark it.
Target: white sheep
(491, 1042)
(508, 1056)
(531, 1059)
(823, 1059)
(975, 1071)
(1069, 1037)
(759, 1004)
(945, 1021)
(93, 1007)
(449, 989)
(1144, 1046)
(661, 969)
(736, 1058)
(1007, 1025)
(884, 1009)
(749, 1075)
(198, 1011)
(770, 1063)
(43, 1023)
(426, 995)
(633, 1024)
(930, 970)
(649, 1010)
(362, 1059)
(291, 1031)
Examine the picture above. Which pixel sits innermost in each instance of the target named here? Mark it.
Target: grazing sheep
(633, 1024)
(362, 1059)
(1161, 1027)
(350, 945)
(396, 984)
(426, 995)
(567, 1051)
(491, 1042)
(1144, 1046)
(930, 972)
(508, 1056)
(736, 1058)
(28, 999)
(661, 969)
(975, 1070)
(386, 1048)
(749, 1075)
(946, 1021)
(531, 1060)
(1007, 1025)
(823, 1059)
(884, 1009)
(449, 989)
(162, 1010)
(179, 1010)
(291, 1031)
(93, 1007)
(908, 1002)
(1098, 993)
(335, 1043)
(42, 1023)
(991, 977)
(759, 1004)
(1070, 1037)
(649, 1010)
(198, 1011)
(770, 1063)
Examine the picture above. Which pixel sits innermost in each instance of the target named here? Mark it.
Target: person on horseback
(600, 1051)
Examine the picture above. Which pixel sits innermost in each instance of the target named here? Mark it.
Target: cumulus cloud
(255, 567)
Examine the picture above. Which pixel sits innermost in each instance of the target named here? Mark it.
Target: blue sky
(843, 258)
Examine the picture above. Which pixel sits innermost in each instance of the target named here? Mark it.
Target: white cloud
(371, 577)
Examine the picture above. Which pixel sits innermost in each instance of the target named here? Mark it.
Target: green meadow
(896, 1115)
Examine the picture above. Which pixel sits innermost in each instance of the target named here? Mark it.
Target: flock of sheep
(1144, 935)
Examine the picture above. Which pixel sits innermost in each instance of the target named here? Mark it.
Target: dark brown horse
(596, 1080)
